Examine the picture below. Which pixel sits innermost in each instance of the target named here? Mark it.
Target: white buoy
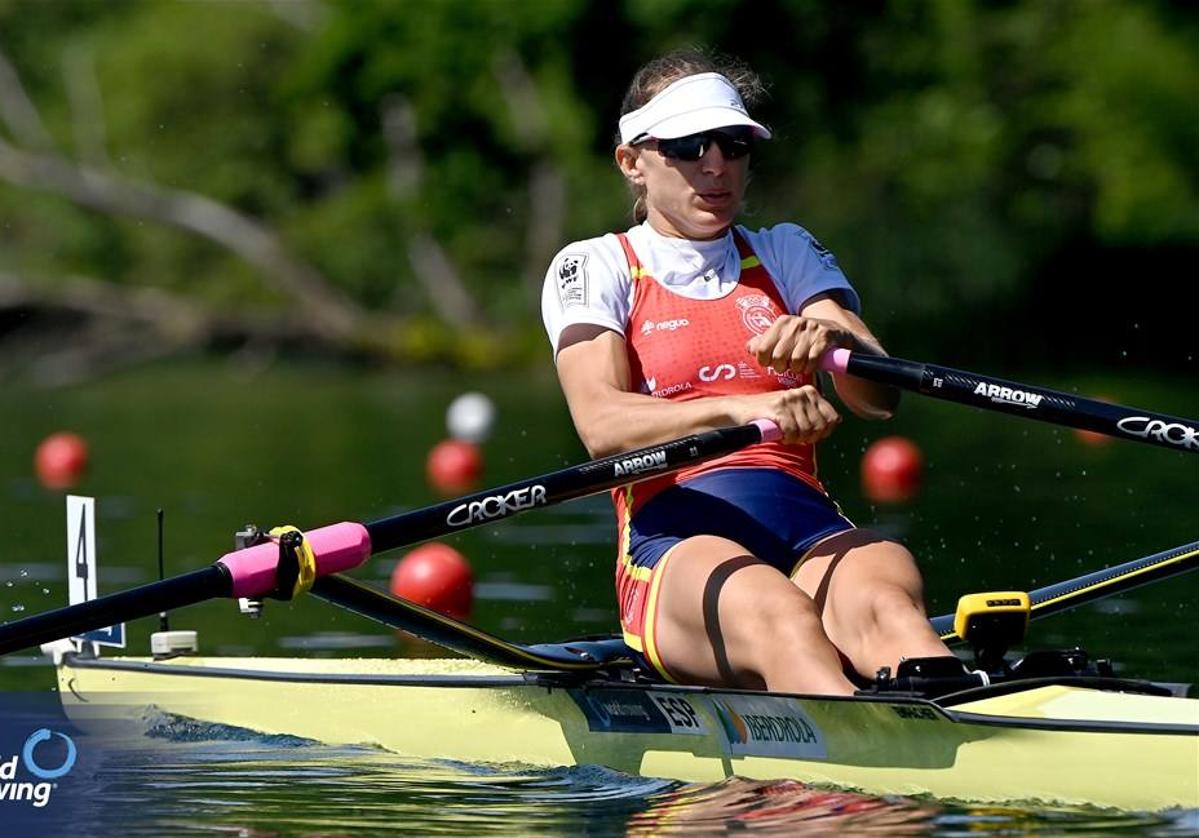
(470, 417)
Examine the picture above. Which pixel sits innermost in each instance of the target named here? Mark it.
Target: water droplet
(18, 608)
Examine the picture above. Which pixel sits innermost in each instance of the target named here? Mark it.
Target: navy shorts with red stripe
(776, 517)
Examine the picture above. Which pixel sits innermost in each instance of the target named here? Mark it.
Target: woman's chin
(695, 222)
(713, 222)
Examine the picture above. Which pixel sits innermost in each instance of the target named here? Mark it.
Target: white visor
(690, 105)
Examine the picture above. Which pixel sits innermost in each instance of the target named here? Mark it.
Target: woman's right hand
(802, 413)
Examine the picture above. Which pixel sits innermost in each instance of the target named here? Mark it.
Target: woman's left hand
(797, 343)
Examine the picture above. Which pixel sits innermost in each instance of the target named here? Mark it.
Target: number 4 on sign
(81, 565)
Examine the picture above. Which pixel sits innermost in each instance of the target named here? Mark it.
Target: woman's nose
(713, 158)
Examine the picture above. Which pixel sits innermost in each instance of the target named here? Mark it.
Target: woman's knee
(890, 579)
(892, 610)
(783, 617)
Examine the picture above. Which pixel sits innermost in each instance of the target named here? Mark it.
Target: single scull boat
(1052, 726)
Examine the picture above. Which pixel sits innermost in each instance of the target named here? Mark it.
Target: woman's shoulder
(605, 249)
(785, 238)
(605, 246)
(788, 243)
(589, 273)
(799, 264)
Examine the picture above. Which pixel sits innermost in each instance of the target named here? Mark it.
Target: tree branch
(18, 112)
(547, 186)
(333, 315)
(432, 265)
(87, 106)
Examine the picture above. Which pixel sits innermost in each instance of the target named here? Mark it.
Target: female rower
(741, 571)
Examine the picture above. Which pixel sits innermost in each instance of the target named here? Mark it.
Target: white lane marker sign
(81, 565)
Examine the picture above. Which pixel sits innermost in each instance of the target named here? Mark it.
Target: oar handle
(337, 547)
(1023, 400)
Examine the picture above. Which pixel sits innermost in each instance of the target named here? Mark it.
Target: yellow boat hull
(1055, 744)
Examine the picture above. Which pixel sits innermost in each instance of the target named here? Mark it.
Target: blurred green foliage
(953, 153)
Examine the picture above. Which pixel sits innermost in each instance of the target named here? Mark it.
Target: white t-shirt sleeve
(801, 266)
(587, 282)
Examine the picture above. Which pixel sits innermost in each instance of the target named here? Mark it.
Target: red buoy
(436, 576)
(60, 460)
(1094, 439)
(454, 466)
(892, 469)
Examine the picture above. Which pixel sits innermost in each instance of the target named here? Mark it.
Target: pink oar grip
(770, 431)
(337, 547)
(836, 360)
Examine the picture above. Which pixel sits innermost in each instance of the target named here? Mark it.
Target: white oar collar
(692, 104)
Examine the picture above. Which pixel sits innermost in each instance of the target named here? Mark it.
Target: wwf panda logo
(572, 279)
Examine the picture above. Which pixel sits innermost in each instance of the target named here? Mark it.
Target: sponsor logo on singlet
(757, 312)
(726, 372)
(669, 390)
(673, 325)
(719, 372)
(787, 378)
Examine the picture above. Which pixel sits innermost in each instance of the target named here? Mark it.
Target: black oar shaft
(1063, 596)
(1071, 593)
(187, 589)
(1029, 402)
(567, 484)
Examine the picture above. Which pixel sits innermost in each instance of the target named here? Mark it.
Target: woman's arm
(594, 372)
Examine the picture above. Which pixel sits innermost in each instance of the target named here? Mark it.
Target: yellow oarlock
(305, 559)
(1004, 613)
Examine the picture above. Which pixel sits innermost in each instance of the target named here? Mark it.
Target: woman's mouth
(715, 197)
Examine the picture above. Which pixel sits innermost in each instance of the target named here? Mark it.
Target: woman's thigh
(709, 619)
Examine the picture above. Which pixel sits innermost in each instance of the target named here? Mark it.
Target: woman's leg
(721, 617)
(871, 600)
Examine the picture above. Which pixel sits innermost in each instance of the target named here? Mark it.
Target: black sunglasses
(734, 144)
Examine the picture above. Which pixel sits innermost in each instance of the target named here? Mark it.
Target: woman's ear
(627, 160)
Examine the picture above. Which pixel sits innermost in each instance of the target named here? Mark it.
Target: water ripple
(191, 778)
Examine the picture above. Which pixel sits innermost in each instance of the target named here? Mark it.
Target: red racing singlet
(681, 348)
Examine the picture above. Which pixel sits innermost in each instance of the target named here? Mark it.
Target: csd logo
(720, 372)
